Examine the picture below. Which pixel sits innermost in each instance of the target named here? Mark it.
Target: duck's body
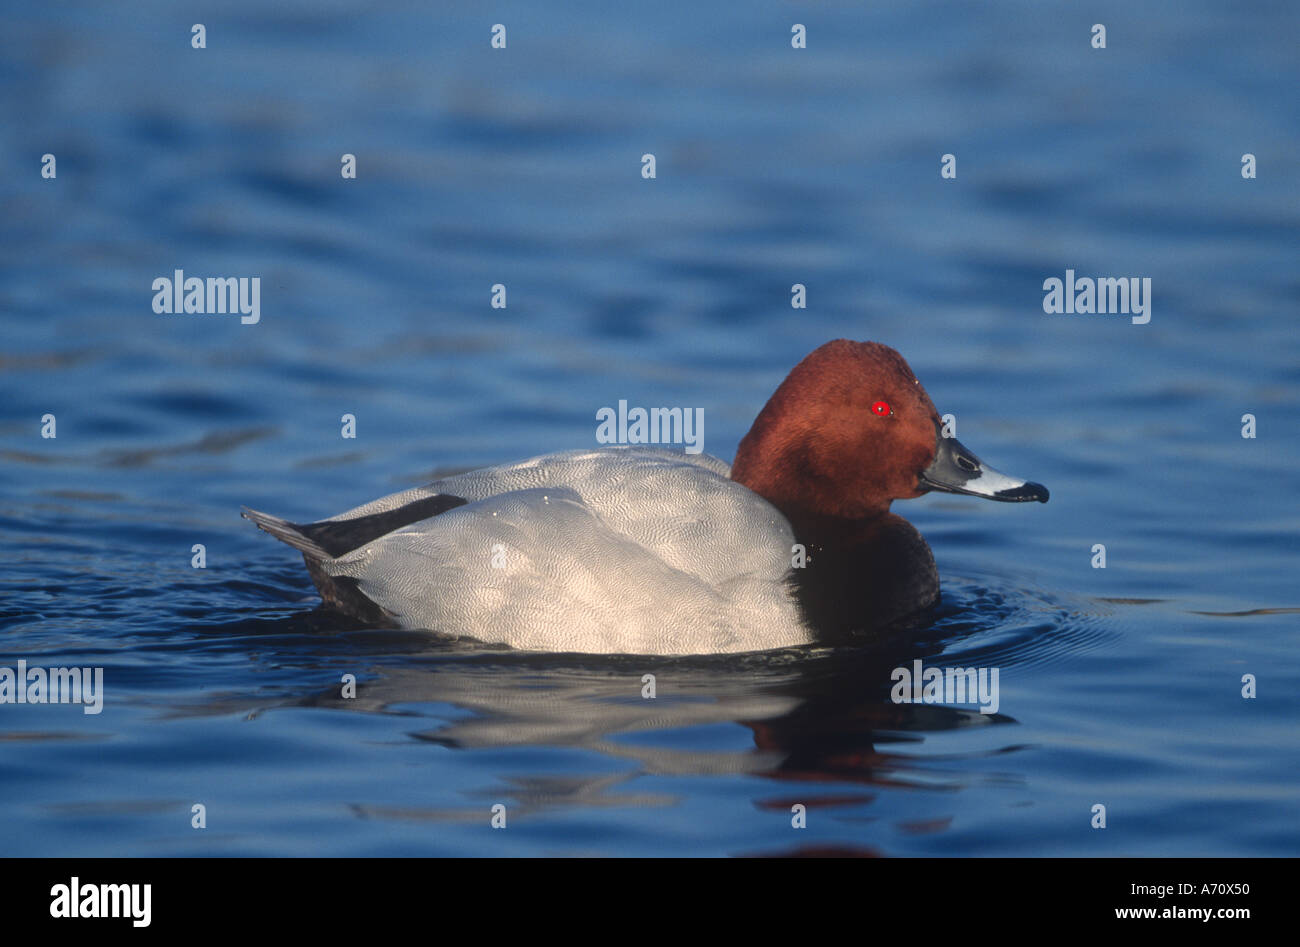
(654, 551)
(638, 550)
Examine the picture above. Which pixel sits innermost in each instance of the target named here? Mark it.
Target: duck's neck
(858, 574)
(832, 532)
(864, 567)
(864, 575)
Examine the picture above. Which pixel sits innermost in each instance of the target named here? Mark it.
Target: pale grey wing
(575, 468)
(538, 569)
(682, 507)
(639, 551)
(697, 520)
(535, 569)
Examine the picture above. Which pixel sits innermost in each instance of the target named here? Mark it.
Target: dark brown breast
(866, 578)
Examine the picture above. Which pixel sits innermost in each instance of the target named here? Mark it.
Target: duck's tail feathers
(286, 532)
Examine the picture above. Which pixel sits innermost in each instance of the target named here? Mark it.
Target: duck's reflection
(818, 724)
(810, 727)
(793, 716)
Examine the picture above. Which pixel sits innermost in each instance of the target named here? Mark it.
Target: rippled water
(1119, 686)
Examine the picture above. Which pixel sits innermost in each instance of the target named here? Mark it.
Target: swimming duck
(643, 550)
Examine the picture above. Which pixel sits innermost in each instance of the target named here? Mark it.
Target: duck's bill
(957, 470)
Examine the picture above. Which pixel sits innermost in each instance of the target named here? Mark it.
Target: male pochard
(652, 551)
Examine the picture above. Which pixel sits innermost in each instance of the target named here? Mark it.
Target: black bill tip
(1025, 493)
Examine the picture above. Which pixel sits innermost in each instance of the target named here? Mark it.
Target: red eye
(882, 408)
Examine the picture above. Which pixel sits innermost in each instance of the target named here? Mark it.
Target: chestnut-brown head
(849, 431)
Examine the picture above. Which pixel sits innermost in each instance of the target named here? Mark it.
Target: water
(1119, 686)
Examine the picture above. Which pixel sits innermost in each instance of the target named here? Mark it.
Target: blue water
(1119, 686)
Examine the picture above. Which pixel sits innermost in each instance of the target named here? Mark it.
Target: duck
(633, 549)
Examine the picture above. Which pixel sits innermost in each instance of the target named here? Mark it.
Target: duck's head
(849, 431)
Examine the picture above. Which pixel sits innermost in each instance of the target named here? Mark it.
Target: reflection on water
(812, 715)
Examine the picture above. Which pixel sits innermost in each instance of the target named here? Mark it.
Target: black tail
(330, 539)
(287, 532)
